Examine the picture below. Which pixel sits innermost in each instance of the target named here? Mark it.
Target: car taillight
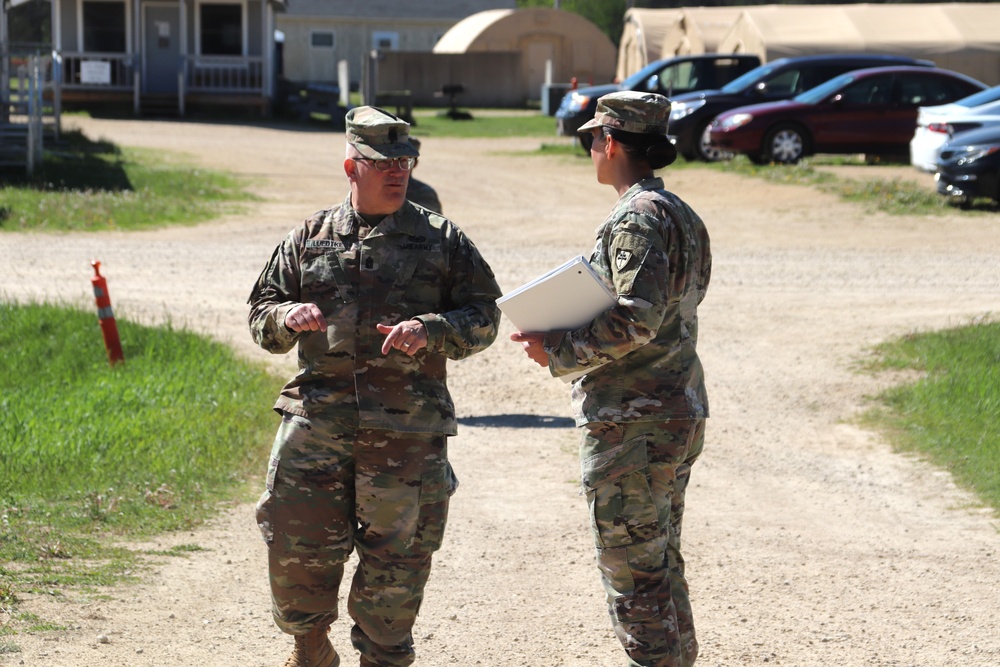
(938, 127)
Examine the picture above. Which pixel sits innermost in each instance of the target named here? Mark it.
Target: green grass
(95, 185)
(483, 124)
(897, 196)
(952, 414)
(92, 455)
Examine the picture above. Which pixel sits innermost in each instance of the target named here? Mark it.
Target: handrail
(224, 74)
(118, 72)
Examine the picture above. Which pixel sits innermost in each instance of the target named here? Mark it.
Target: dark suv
(777, 80)
(669, 77)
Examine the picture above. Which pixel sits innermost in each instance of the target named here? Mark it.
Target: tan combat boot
(313, 649)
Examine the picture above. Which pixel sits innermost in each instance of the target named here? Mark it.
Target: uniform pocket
(622, 510)
(436, 488)
(265, 506)
(265, 517)
(404, 516)
(635, 608)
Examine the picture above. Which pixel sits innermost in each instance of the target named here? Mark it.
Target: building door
(538, 52)
(161, 37)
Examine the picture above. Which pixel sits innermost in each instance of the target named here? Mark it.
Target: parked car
(936, 125)
(871, 111)
(777, 80)
(969, 166)
(671, 76)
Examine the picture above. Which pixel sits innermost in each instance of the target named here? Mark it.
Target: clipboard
(564, 299)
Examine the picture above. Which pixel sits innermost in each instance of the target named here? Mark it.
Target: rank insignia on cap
(622, 259)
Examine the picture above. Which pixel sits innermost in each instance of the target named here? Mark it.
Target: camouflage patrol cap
(377, 134)
(631, 111)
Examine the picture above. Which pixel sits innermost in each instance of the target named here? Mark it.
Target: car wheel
(705, 151)
(785, 144)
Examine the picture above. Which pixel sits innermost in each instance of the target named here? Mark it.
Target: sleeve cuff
(435, 331)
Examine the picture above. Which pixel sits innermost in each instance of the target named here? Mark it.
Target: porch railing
(223, 74)
(88, 71)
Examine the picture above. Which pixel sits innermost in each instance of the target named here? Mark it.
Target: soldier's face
(598, 155)
(375, 192)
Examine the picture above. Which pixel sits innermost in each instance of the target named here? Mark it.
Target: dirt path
(809, 543)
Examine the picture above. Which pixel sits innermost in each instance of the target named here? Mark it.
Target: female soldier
(642, 403)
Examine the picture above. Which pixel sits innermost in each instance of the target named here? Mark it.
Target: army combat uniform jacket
(640, 356)
(412, 265)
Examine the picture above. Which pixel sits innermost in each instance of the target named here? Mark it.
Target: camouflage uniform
(420, 193)
(360, 458)
(643, 405)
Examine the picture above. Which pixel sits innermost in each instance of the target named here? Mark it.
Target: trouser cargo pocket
(622, 510)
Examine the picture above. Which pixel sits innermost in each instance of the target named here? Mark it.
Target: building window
(104, 27)
(221, 29)
(321, 40)
(385, 41)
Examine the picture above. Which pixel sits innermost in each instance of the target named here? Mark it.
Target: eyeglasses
(587, 140)
(404, 163)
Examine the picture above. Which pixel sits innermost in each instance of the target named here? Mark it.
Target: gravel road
(809, 542)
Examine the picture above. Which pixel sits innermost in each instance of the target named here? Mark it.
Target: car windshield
(633, 81)
(824, 90)
(982, 97)
(739, 84)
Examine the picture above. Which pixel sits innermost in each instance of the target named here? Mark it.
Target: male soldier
(377, 293)
(419, 192)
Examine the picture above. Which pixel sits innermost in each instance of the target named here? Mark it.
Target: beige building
(320, 33)
(575, 47)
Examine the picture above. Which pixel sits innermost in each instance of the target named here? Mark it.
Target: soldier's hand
(533, 344)
(409, 336)
(305, 317)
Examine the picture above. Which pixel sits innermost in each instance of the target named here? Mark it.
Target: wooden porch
(201, 80)
(163, 52)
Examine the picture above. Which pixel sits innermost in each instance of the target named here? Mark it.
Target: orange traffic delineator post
(106, 316)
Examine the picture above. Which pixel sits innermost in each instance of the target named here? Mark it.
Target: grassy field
(94, 185)
(952, 414)
(92, 455)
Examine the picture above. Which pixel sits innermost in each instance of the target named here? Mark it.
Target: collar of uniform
(652, 183)
(342, 218)
(403, 221)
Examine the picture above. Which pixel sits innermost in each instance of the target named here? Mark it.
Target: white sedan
(938, 124)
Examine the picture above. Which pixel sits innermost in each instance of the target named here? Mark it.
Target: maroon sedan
(871, 111)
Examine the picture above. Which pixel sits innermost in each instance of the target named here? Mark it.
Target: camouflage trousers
(635, 476)
(332, 488)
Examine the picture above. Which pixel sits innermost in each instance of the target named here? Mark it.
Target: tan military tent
(642, 37)
(964, 37)
(575, 46)
(698, 30)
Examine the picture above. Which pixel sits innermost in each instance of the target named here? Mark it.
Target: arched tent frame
(642, 38)
(575, 47)
(957, 36)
